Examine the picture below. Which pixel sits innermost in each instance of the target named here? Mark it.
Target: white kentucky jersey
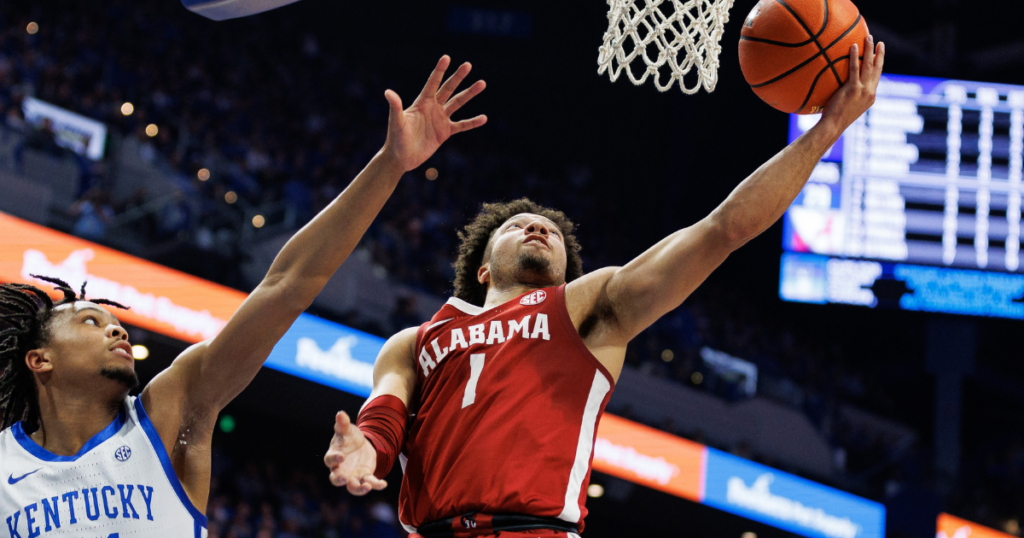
(120, 484)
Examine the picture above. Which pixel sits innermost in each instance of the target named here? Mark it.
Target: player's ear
(483, 275)
(38, 361)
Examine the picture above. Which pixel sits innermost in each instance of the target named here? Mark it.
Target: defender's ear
(483, 275)
(38, 361)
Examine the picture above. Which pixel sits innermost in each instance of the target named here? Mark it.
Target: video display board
(917, 206)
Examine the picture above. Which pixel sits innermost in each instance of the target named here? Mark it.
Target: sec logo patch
(123, 453)
(534, 298)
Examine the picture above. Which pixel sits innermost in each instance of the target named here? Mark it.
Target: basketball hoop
(686, 38)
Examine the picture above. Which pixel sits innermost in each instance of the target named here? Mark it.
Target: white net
(674, 37)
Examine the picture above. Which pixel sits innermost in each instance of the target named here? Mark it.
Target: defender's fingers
(854, 64)
(434, 82)
(467, 125)
(394, 102)
(453, 82)
(464, 96)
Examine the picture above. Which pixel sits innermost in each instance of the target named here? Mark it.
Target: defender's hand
(351, 458)
(414, 134)
(858, 94)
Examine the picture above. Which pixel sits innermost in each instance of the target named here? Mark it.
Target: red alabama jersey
(508, 404)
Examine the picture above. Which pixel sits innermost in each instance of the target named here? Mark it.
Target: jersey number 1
(476, 365)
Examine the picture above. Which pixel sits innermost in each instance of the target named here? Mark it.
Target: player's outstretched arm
(209, 375)
(351, 457)
(660, 279)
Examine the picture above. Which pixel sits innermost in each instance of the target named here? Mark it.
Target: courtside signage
(181, 306)
(649, 457)
(162, 300)
(788, 502)
(327, 353)
(953, 527)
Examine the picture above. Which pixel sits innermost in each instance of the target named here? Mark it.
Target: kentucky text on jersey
(111, 501)
(495, 334)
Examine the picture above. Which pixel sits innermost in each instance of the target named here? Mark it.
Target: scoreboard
(917, 206)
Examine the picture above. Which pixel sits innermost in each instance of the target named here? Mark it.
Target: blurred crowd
(314, 123)
(269, 499)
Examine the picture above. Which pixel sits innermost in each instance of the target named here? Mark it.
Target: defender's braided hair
(25, 315)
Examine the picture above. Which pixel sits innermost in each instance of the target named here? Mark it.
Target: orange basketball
(795, 53)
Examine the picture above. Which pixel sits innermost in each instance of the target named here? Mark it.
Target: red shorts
(539, 533)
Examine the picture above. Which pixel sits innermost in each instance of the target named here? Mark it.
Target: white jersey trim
(598, 390)
(465, 307)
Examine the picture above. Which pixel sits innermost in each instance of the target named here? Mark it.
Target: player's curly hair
(25, 316)
(475, 237)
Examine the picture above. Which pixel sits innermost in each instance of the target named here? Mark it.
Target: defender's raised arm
(186, 398)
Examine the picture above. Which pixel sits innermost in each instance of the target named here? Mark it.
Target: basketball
(795, 53)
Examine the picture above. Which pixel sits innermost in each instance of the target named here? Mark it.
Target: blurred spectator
(93, 214)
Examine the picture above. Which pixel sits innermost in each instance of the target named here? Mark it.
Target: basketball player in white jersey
(79, 457)
(491, 406)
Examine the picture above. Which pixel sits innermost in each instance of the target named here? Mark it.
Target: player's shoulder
(587, 290)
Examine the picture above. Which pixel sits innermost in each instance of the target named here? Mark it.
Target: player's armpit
(613, 305)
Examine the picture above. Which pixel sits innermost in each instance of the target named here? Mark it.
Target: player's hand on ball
(415, 133)
(858, 94)
(352, 459)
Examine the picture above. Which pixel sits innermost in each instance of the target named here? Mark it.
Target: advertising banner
(161, 300)
(328, 353)
(788, 502)
(649, 457)
(953, 527)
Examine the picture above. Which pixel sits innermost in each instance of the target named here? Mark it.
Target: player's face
(88, 344)
(527, 249)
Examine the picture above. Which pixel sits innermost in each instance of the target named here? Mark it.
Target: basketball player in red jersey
(492, 405)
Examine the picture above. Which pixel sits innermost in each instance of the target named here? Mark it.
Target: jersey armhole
(165, 462)
(577, 340)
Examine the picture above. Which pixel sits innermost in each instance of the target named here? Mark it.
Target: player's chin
(122, 374)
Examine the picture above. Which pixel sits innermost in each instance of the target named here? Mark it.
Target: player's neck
(70, 420)
(498, 296)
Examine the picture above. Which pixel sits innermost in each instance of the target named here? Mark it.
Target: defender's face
(86, 344)
(528, 249)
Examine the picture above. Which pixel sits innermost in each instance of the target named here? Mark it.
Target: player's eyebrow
(98, 309)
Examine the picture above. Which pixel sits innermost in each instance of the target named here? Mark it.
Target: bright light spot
(32, 28)
(432, 174)
(258, 221)
(595, 490)
(203, 174)
(697, 378)
(230, 197)
(127, 109)
(749, 534)
(667, 355)
(140, 352)
(1012, 526)
(227, 423)
(152, 130)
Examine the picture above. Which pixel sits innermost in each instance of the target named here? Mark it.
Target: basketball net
(674, 37)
